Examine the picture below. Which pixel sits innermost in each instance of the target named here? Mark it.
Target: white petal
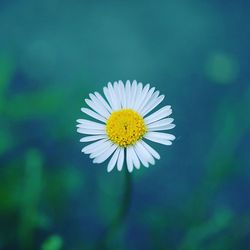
(137, 96)
(159, 114)
(151, 96)
(127, 93)
(129, 160)
(113, 96)
(160, 123)
(151, 150)
(95, 146)
(105, 155)
(120, 159)
(159, 140)
(142, 97)
(148, 155)
(94, 127)
(93, 138)
(93, 114)
(135, 159)
(166, 127)
(103, 101)
(113, 160)
(99, 103)
(162, 138)
(122, 93)
(109, 98)
(90, 131)
(154, 104)
(133, 93)
(162, 135)
(90, 124)
(141, 155)
(147, 99)
(155, 101)
(100, 150)
(86, 121)
(118, 95)
(97, 108)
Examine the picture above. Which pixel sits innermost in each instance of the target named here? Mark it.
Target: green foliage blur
(53, 53)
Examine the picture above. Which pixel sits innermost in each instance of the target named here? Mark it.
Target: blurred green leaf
(110, 194)
(61, 183)
(30, 196)
(196, 236)
(10, 191)
(40, 103)
(222, 68)
(54, 242)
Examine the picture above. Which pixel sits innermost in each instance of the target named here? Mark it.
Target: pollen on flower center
(125, 127)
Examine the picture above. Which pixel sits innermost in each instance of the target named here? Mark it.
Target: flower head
(124, 119)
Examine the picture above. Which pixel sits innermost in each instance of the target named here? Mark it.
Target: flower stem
(120, 216)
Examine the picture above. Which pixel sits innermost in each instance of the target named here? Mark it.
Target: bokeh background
(53, 53)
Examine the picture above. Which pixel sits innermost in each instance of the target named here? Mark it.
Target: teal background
(53, 53)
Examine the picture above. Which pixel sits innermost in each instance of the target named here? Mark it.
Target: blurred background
(53, 53)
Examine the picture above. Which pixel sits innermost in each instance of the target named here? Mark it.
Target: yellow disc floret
(125, 127)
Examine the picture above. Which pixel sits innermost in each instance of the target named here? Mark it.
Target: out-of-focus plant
(54, 242)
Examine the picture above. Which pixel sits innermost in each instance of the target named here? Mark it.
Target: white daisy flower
(124, 119)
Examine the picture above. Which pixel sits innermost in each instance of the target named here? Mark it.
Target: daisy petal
(133, 93)
(93, 138)
(160, 123)
(140, 100)
(118, 95)
(113, 96)
(150, 158)
(94, 127)
(90, 131)
(99, 103)
(122, 94)
(159, 140)
(97, 108)
(129, 160)
(141, 155)
(100, 150)
(103, 102)
(152, 104)
(105, 155)
(159, 114)
(93, 114)
(161, 128)
(135, 159)
(108, 97)
(127, 93)
(94, 152)
(162, 135)
(162, 138)
(90, 124)
(152, 97)
(138, 93)
(120, 159)
(95, 146)
(146, 99)
(113, 160)
(151, 150)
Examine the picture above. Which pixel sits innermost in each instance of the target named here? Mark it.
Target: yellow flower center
(125, 127)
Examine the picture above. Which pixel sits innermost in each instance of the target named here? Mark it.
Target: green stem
(121, 215)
